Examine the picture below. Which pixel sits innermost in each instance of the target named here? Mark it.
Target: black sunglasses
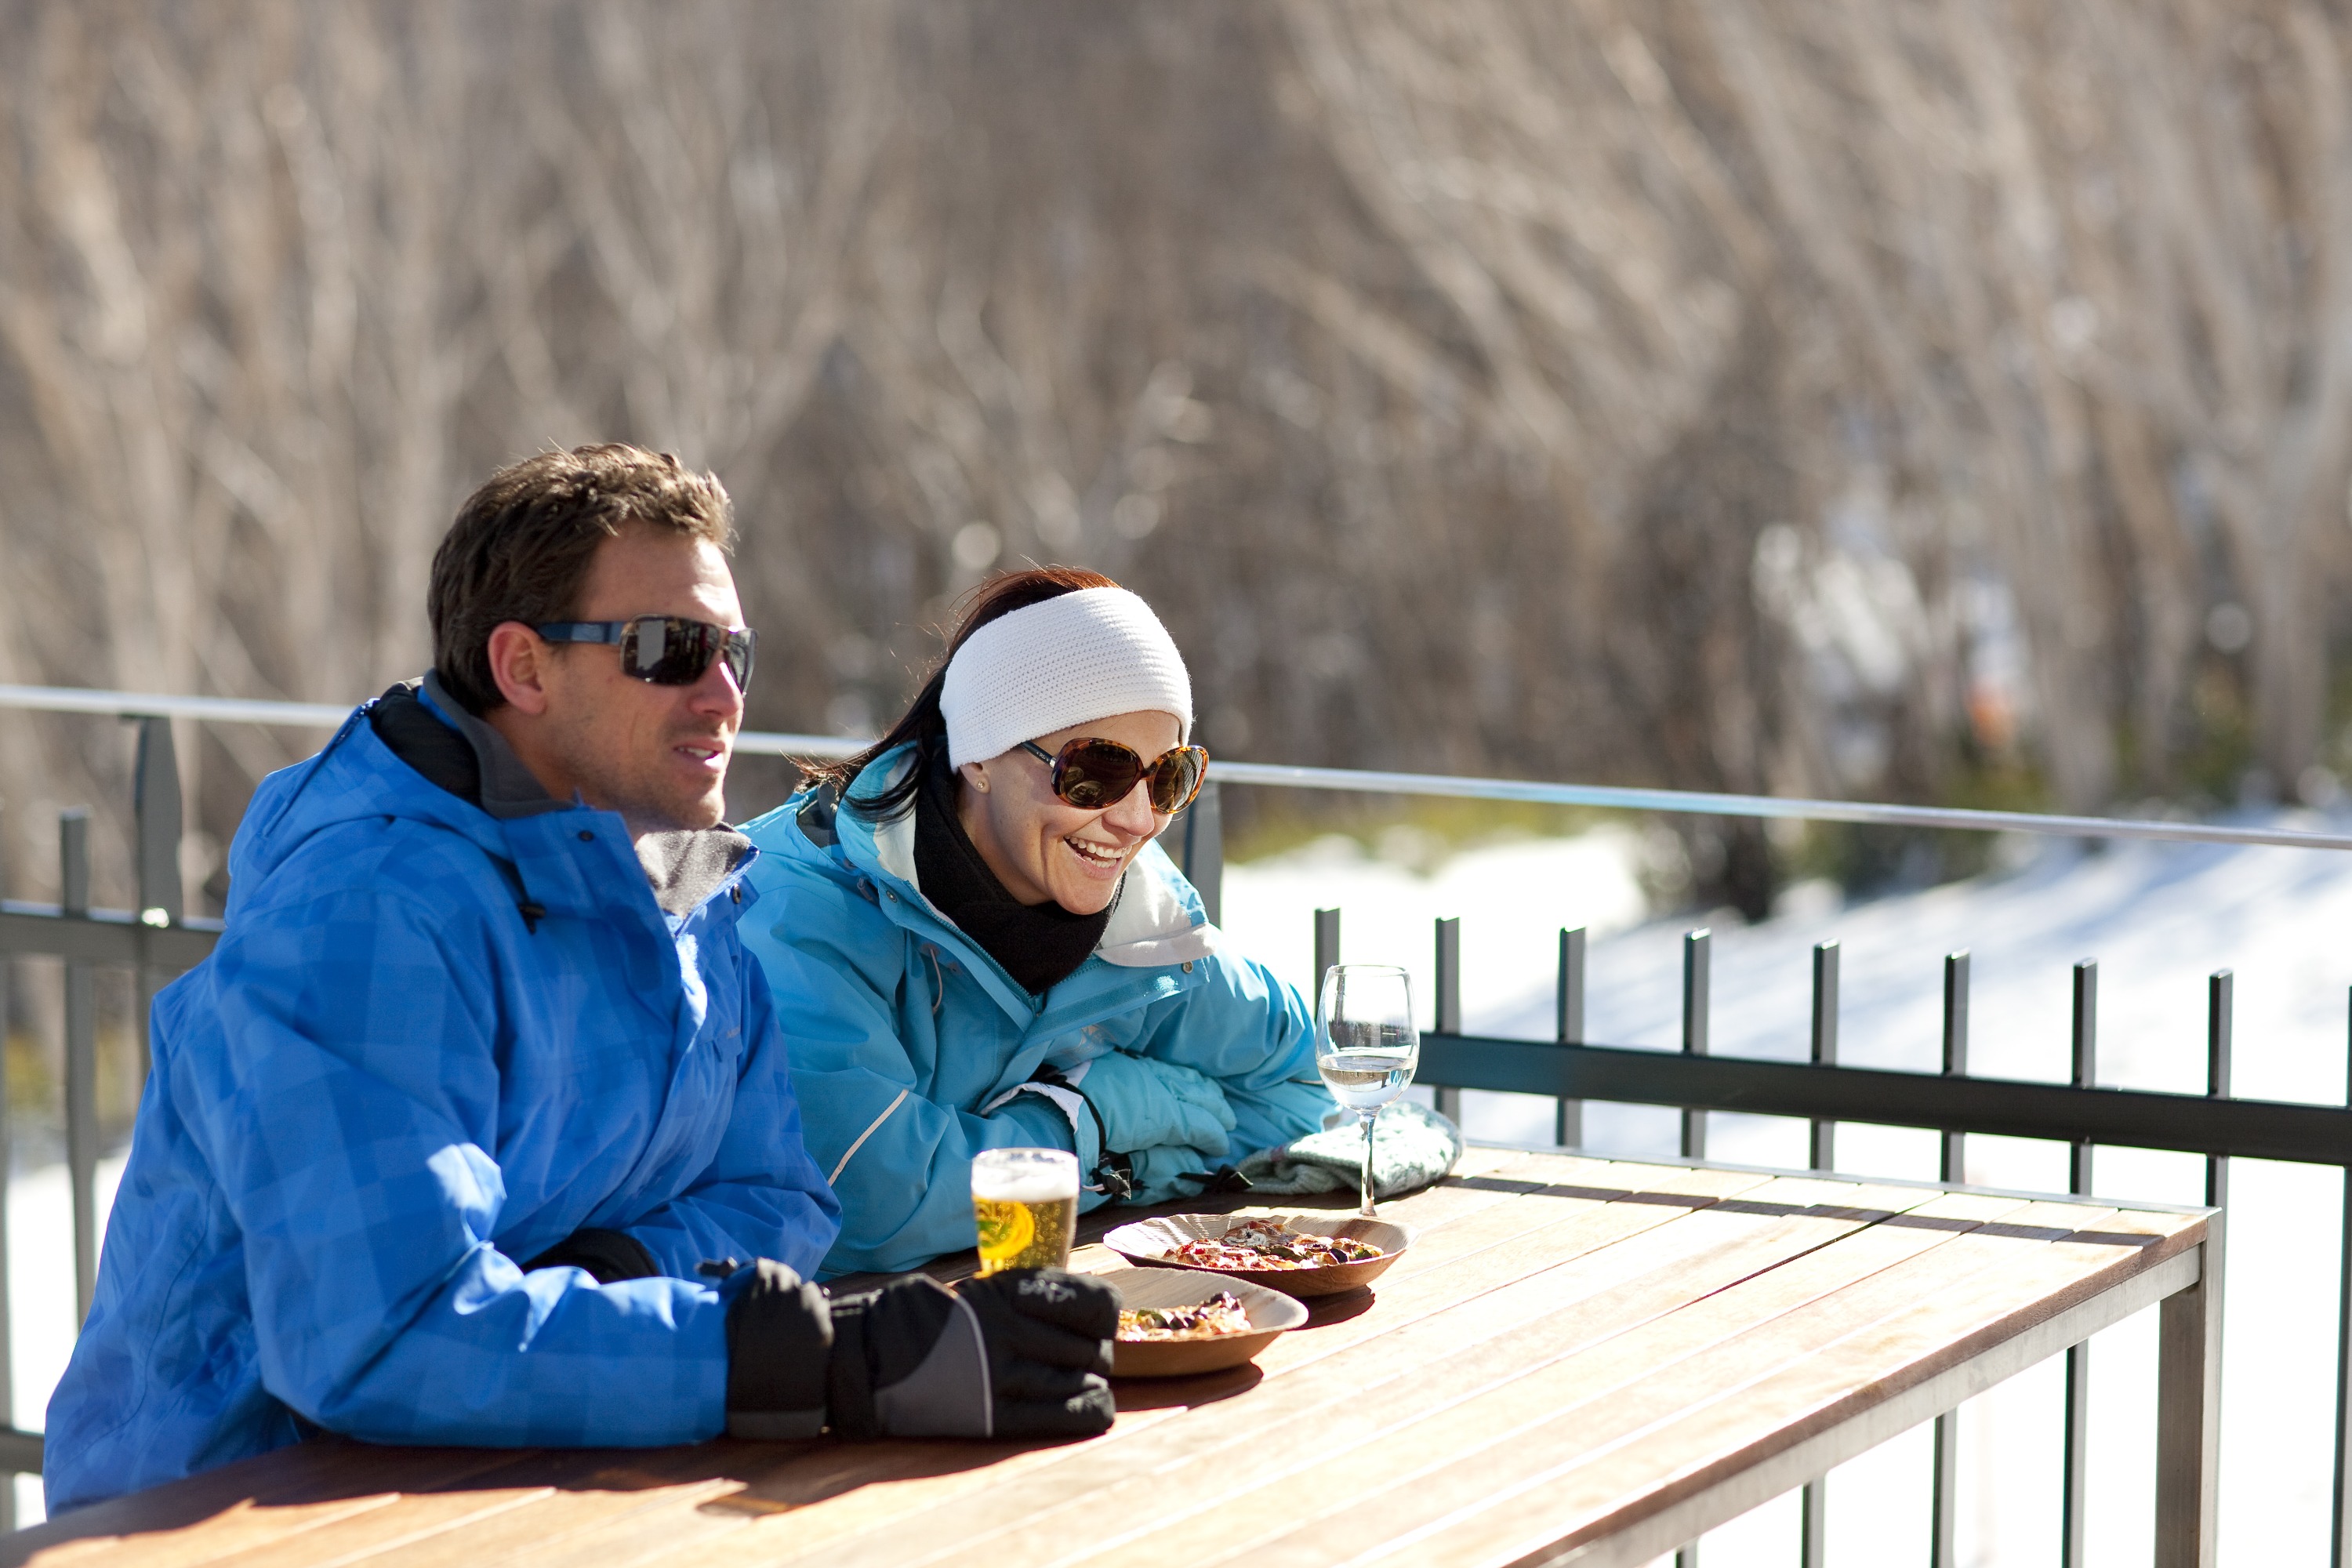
(668, 650)
(1095, 773)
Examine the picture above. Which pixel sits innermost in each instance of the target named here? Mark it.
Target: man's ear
(519, 663)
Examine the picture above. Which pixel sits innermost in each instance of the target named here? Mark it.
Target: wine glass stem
(1370, 1117)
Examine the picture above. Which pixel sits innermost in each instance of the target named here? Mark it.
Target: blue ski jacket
(433, 1042)
(911, 1047)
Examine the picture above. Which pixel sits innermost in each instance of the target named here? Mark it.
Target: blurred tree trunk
(1820, 396)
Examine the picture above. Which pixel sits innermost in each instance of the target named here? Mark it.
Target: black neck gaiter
(1038, 945)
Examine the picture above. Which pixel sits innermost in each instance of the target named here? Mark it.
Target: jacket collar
(503, 787)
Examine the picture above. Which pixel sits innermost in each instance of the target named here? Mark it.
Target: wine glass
(1366, 1043)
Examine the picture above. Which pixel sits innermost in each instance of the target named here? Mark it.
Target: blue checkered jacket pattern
(384, 1087)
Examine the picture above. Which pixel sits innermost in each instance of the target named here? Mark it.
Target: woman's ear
(975, 774)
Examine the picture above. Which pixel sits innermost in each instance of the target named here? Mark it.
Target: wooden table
(1579, 1361)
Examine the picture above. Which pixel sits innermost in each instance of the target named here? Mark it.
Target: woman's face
(1040, 846)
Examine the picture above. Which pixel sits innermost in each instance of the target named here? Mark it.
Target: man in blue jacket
(465, 1132)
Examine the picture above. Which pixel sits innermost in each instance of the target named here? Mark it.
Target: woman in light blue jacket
(973, 941)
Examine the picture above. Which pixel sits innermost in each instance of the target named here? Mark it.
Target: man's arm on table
(762, 1195)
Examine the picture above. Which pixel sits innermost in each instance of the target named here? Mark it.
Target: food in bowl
(1221, 1314)
(1263, 1244)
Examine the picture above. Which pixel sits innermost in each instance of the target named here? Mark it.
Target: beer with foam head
(1026, 1204)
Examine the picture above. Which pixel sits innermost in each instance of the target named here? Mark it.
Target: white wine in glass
(1366, 1043)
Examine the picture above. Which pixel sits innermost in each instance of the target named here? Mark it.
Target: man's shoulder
(383, 859)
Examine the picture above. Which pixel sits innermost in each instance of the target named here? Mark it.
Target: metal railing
(157, 939)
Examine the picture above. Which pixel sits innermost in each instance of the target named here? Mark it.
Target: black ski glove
(1019, 1354)
(609, 1255)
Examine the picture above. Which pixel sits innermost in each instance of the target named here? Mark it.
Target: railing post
(1449, 1006)
(2074, 1508)
(2220, 999)
(1568, 1127)
(2340, 1536)
(1326, 948)
(156, 808)
(1812, 1522)
(1944, 1538)
(1825, 1040)
(1697, 947)
(8, 1331)
(2189, 1354)
(1956, 1053)
(81, 1061)
(1205, 851)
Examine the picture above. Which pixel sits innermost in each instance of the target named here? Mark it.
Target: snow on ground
(2158, 918)
(41, 1305)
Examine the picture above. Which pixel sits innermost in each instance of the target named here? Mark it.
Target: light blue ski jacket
(911, 1046)
(386, 1086)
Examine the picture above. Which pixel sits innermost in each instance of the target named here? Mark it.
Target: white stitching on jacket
(847, 1154)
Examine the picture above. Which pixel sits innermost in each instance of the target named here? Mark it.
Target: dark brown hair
(522, 545)
(923, 725)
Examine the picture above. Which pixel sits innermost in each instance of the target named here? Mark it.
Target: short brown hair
(523, 543)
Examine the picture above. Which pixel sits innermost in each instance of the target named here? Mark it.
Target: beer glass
(1026, 1202)
(1366, 1043)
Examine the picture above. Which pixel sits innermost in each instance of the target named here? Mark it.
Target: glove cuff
(849, 1381)
(607, 1255)
(781, 1347)
(909, 1361)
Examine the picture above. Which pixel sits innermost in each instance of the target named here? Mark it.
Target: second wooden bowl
(1149, 1242)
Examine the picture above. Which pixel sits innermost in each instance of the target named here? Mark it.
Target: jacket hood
(354, 775)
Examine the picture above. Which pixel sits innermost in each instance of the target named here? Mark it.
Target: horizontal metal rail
(1697, 803)
(103, 936)
(2008, 1107)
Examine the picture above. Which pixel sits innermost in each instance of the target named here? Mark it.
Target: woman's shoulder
(803, 862)
(800, 833)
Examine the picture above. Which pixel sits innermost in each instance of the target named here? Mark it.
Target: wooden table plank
(1351, 1464)
(1529, 1446)
(1639, 1275)
(1741, 1414)
(578, 1500)
(208, 1517)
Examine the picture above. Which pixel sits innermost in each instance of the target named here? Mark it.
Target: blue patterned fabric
(383, 1088)
(911, 1044)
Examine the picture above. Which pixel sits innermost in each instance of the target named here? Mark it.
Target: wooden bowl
(1270, 1314)
(1149, 1241)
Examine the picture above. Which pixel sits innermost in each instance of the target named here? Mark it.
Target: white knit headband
(1069, 661)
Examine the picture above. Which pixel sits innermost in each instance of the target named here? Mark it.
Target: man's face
(656, 754)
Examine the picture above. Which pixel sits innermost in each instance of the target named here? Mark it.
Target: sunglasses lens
(669, 650)
(1176, 779)
(1096, 774)
(738, 654)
